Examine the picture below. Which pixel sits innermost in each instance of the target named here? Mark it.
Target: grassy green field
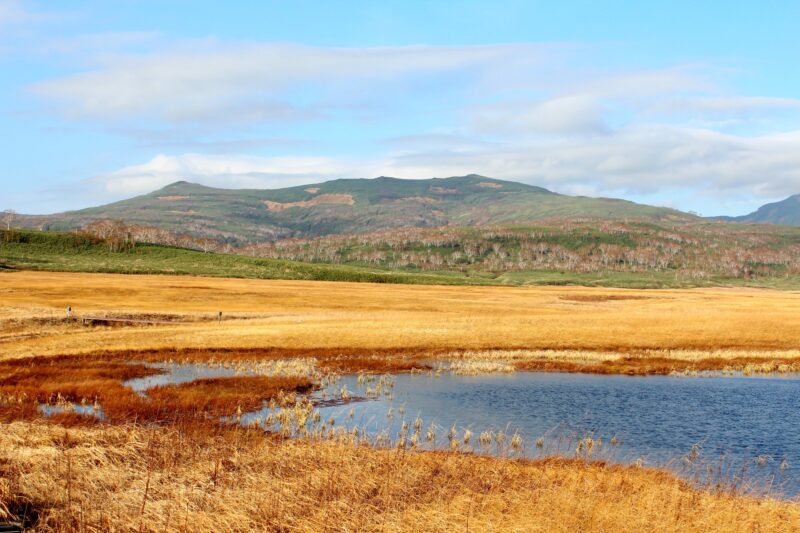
(639, 280)
(66, 252)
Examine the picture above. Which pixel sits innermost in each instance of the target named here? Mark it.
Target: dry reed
(360, 319)
(135, 478)
(191, 473)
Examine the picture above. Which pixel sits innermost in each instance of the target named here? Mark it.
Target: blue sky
(695, 105)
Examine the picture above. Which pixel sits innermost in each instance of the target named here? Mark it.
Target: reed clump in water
(291, 367)
(67, 382)
(474, 368)
(235, 479)
(225, 396)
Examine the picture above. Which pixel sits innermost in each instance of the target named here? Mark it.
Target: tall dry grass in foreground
(137, 479)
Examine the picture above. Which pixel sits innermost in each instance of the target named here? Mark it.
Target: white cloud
(646, 82)
(210, 80)
(636, 160)
(13, 12)
(227, 171)
(574, 114)
(520, 112)
(18, 14)
(99, 45)
(727, 105)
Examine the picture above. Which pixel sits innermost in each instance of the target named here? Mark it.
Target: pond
(729, 429)
(743, 430)
(178, 373)
(72, 407)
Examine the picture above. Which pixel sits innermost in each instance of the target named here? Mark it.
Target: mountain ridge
(345, 206)
(786, 211)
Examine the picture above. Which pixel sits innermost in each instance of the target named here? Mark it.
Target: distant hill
(347, 206)
(784, 212)
(595, 253)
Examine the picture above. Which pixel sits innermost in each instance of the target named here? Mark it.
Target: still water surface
(742, 430)
(736, 426)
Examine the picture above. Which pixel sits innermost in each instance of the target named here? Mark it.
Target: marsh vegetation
(263, 421)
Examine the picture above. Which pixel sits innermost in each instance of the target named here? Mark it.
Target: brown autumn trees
(121, 237)
(689, 251)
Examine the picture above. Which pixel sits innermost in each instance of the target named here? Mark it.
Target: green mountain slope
(349, 206)
(68, 252)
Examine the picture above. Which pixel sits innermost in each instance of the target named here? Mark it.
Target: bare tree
(206, 245)
(115, 233)
(8, 218)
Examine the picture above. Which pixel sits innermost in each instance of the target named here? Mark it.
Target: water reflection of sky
(71, 407)
(735, 420)
(743, 423)
(177, 373)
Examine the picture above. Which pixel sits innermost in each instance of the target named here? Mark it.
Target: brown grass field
(163, 463)
(138, 479)
(558, 328)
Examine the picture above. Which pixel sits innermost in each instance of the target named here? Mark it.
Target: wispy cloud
(572, 114)
(517, 111)
(92, 48)
(15, 12)
(636, 160)
(240, 171)
(730, 104)
(220, 81)
(18, 17)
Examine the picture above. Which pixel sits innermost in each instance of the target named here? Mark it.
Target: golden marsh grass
(351, 326)
(137, 479)
(165, 463)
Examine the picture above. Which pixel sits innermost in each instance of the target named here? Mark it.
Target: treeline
(692, 251)
(121, 237)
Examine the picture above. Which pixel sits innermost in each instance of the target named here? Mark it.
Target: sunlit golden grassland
(164, 463)
(139, 479)
(538, 328)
